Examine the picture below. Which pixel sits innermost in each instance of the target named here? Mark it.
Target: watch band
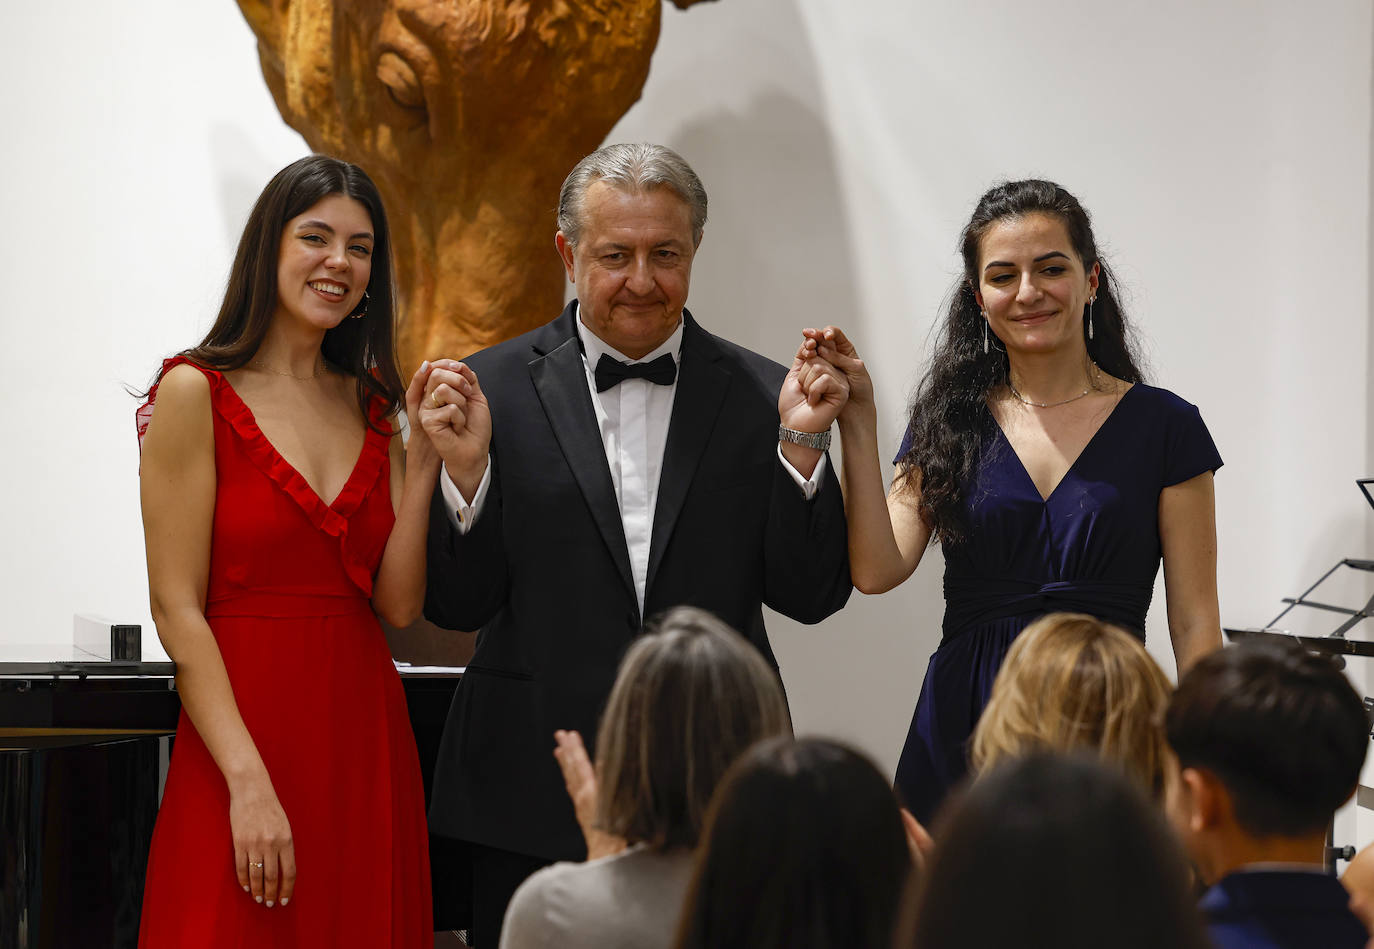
(817, 440)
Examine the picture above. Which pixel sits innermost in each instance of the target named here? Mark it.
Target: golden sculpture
(468, 114)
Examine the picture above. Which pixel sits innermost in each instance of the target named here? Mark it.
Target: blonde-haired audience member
(1074, 683)
(688, 699)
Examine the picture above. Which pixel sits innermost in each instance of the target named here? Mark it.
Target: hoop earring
(985, 331)
(1091, 301)
(366, 300)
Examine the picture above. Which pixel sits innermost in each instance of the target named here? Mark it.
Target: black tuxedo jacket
(544, 572)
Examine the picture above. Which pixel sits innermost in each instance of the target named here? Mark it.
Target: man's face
(631, 265)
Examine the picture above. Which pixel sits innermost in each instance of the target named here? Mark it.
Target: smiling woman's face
(324, 263)
(1032, 284)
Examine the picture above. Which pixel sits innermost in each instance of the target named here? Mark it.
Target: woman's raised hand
(831, 345)
(580, 779)
(419, 444)
(455, 415)
(264, 854)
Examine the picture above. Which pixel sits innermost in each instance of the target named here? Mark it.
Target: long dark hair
(949, 424)
(364, 348)
(803, 848)
(1051, 852)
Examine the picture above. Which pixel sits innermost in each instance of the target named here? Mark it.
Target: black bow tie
(611, 371)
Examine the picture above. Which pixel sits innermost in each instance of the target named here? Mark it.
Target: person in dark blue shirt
(1269, 740)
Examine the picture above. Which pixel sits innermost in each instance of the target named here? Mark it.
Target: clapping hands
(580, 779)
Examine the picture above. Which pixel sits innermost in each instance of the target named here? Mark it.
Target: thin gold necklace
(1050, 405)
(319, 371)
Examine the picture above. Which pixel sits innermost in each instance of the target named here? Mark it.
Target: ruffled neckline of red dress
(332, 518)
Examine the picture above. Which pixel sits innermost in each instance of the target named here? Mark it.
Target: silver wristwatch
(817, 440)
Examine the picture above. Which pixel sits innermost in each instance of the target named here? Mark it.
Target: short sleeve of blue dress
(1092, 546)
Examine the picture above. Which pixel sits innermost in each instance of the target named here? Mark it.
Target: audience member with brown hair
(1052, 852)
(688, 700)
(1072, 682)
(803, 848)
(1269, 740)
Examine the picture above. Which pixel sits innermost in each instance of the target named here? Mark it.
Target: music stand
(1333, 644)
(1355, 616)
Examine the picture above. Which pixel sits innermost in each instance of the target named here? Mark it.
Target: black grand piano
(84, 746)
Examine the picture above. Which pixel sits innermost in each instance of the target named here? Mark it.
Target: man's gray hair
(632, 168)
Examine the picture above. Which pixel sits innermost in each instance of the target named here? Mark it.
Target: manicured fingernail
(245, 889)
(285, 900)
(269, 904)
(424, 366)
(258, 898)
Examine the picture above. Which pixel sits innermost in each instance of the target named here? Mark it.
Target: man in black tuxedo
(607, 466)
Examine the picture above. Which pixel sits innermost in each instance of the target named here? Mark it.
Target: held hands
(454, 413)
(832, 347)
(580, 778)
(420, 450)
(812, 394)
(264, 855)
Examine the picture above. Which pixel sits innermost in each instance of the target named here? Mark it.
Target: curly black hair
(949, 425)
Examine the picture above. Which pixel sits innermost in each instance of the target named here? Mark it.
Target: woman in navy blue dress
(1051, 475)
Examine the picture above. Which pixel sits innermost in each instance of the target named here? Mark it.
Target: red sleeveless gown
(288, 602)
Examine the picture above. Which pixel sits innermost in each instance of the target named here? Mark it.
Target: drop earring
(985, 331)
(1091, 301)
(363, 312)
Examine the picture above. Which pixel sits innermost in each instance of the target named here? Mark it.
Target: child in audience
(1072, 682)
(1269, 741)
(1052, 852)
(688, 699)
(803, 849)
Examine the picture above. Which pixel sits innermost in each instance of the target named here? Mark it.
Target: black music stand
(1334, 643)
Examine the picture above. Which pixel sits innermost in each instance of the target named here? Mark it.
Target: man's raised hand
(812, 394)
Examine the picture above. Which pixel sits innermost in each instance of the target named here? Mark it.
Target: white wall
(1224, 149)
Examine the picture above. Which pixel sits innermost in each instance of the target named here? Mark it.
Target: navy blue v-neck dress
(1091, 547)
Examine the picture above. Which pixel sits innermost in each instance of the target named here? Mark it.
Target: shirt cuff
(809, 486)
(461, 514)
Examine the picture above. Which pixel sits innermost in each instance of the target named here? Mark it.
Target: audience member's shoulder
(532, 904)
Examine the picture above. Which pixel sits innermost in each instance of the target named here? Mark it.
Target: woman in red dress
(282, 515)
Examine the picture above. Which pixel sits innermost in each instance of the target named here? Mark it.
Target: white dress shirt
(633, 419)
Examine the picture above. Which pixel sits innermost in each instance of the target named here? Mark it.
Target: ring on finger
(434, 397)
(256, 866)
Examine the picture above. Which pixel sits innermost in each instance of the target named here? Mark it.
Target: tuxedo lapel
(560, 379)
(701, 388)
